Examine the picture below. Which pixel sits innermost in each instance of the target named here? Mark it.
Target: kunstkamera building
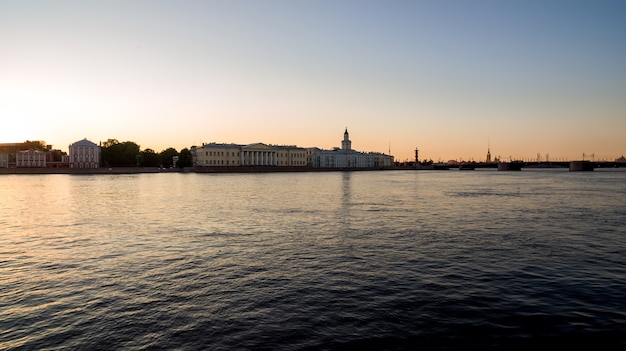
(260, 154)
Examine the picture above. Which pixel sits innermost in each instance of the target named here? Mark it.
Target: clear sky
(447, 77)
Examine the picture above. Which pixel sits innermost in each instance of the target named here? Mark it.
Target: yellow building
(291, 156)
(257, 154)
(217, 155)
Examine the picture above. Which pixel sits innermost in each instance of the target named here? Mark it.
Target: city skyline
(450, 78)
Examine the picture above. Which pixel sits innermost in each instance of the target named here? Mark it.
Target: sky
(450, 78)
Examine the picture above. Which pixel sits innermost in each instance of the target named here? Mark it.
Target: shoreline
(140, 170)
(102, 170)
(246, 169)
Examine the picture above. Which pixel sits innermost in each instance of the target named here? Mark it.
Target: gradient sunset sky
(447, 77)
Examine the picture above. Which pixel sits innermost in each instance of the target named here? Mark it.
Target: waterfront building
(4, 160)
(8, 151)
(345, 157)
(291, 156)
(217, 155)
(257, 154)
(30, 158)
(260, 154)
(84, 154)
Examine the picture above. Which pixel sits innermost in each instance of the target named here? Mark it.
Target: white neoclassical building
(84, 154)
(30, 158)
(345, 157)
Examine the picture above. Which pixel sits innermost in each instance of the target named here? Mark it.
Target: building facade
(217, 155)
(4, 160)
(291, 156)
(84, 154)
(348, 158)
(257, 154)
(30, 158)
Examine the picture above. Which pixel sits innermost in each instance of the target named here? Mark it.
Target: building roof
(84, 142)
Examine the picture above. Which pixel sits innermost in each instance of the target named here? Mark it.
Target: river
(380, 260)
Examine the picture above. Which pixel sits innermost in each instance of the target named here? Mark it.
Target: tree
(57, 155)
(184, 159)
(166, 156)
(149, 158)
(109, 143)
(125, 154)
(37, 145)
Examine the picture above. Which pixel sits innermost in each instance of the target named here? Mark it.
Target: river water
(382, 260)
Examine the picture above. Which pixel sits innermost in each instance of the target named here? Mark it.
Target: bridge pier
(578, 166)
(510, 166)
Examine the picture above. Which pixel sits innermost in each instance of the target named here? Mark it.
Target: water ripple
(371, 260)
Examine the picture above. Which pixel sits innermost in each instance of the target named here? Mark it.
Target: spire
(346, 144)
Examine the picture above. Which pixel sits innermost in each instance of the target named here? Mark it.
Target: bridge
(572, 165)
(518, 165)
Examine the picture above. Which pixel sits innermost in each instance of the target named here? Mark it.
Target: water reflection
(346, 201)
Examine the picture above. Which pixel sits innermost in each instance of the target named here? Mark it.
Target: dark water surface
(393, 260)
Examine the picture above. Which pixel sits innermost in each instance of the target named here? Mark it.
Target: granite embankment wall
(115, 170)
(134, 170)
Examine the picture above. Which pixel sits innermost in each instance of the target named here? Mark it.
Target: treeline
(128, 154)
